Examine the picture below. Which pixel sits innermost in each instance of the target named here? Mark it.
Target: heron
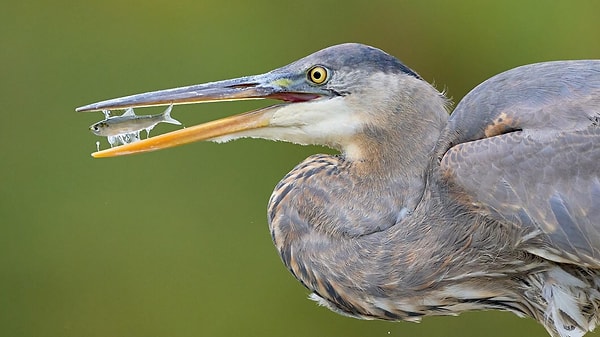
(495, 206)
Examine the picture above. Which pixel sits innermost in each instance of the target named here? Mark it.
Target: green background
(175, 243)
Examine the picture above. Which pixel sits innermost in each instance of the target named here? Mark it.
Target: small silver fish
(130, 123)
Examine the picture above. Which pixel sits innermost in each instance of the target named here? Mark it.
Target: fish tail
(166, 116)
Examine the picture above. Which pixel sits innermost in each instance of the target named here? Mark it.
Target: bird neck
(397, 145)
(335, 220)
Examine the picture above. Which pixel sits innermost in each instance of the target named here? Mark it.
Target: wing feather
(524, 149)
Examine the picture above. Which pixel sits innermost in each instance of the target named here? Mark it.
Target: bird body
(424, 245)
(494, 207)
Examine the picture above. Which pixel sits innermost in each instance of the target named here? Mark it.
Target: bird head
(328, 98)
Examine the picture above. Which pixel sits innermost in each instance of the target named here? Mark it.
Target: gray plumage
(503, 212)
(494, 207)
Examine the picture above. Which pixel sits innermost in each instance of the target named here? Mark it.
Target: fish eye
(95, 127)
(318, 74)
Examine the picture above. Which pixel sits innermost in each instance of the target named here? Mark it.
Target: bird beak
(273, 85)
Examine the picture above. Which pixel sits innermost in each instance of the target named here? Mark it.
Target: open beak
(273, 85)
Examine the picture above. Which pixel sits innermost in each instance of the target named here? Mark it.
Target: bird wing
(524, 148)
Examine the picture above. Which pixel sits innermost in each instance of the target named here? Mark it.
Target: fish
(126, 128)
(129, 122)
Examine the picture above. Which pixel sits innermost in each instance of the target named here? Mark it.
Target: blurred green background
(175, 243)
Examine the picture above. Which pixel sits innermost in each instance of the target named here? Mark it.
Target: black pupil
(317, 75)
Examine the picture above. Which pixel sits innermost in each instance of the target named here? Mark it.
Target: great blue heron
(496, 207)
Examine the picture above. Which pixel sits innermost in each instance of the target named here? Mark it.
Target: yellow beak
(228, 125)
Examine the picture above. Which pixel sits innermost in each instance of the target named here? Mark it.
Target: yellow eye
(317, 75)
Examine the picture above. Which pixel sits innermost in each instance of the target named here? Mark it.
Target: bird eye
(317, 74)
